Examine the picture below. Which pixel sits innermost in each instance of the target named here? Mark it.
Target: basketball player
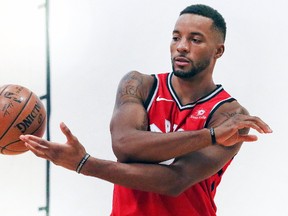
(174, 134)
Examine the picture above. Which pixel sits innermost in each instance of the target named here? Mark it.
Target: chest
(165, 116)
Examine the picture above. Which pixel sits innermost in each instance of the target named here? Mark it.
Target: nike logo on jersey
(163, 99)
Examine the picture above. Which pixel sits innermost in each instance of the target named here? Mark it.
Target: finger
(35, 151)
(260, 123)
(250, 124)
(35, 141)
(37, 145)
(240, 138)
(32, 146)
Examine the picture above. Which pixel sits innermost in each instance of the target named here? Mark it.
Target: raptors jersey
(167, 114)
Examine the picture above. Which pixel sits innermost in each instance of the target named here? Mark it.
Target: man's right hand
(229, 132)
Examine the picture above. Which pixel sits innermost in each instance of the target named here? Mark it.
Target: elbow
(177, 187)
(122, 157)
(120, 149)
(120, 145)
(174, 191)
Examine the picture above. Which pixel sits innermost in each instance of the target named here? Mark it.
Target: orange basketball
(21, 112)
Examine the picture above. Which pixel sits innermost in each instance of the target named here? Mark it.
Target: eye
(196, 40)
(175, 38)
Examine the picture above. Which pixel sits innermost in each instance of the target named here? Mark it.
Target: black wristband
(213, 137)
(82, 162)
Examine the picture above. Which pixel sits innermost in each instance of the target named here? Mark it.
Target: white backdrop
(93, 44)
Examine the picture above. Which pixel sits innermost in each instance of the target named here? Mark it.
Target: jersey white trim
(154, 93)
(191, 105)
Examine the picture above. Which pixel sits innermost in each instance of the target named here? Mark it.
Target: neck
(191, 90)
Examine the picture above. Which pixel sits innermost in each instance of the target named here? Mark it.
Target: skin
(194, 43)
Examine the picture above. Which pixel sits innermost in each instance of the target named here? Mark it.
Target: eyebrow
(191, 33)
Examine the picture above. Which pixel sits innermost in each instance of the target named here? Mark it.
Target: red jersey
(167, 114)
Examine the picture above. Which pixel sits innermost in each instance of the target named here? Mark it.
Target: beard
(196, 69)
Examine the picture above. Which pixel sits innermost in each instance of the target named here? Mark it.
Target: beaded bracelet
(82, 162)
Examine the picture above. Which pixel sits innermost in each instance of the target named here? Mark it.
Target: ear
(219, 51)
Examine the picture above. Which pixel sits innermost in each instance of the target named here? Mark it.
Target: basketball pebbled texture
(21, 112)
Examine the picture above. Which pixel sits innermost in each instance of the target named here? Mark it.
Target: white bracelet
(82, 162)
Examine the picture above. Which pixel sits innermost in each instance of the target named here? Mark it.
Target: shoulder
(137, 77)
(135, 84)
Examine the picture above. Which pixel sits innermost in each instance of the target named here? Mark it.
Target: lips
(181, 61)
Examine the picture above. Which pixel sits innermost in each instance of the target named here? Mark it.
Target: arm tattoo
(229, 115)
(130, 85)
(240, 110)
(129, 88)
(130, 91)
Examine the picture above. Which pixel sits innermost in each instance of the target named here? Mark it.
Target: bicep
(128, 117)
(129, 114)
(129, 110)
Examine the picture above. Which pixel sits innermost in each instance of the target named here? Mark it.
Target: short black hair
(203, 10)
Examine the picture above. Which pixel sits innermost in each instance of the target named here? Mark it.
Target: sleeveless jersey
(167, 114)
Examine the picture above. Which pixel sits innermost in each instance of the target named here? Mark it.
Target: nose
(183, 46)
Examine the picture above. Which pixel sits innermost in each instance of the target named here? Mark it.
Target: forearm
(145, 146)
(171, 179)
(146, 177)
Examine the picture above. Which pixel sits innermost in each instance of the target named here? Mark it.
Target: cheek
(173, 52)
(202, 54)
(172, 48)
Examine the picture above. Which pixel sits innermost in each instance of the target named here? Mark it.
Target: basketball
(21, 112)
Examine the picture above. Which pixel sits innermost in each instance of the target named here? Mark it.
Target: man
(174, 134)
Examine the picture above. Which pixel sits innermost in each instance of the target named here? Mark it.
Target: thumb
(248, 138)
(67, 132)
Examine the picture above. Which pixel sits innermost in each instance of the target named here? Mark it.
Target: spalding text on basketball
(30, 118)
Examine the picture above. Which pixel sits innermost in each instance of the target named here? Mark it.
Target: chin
(184, 74)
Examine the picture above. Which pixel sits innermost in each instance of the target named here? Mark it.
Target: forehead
(193, 23)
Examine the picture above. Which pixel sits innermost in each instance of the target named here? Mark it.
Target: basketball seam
(4, 148)
(3, 89)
